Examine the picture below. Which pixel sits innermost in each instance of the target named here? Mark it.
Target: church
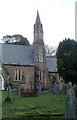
(28, 62)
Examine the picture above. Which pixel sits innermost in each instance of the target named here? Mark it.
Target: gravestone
(61, 87)
(75, 89)
(70, 102)
(55, 88)
(27, 83)
(1, 83)
(40, 87)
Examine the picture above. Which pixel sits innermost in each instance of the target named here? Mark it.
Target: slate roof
(51, 64)
(17, 54)
(23, 55)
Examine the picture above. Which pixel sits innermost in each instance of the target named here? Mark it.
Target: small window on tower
(40, 55)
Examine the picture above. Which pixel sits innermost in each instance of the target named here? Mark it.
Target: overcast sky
(57, 17)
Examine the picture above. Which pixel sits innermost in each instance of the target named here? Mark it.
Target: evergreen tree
(67, 60)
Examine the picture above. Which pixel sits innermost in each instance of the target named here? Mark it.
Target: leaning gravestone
(70, 102)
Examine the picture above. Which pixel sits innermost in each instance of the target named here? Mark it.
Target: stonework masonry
(19, 61)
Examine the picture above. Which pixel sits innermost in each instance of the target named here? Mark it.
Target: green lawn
(0, 104)
(43, 103)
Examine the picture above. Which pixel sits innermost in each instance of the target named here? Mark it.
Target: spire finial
(37, 12)
(38, 18)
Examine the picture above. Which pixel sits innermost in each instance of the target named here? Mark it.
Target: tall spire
(38, 28)
(38, 18)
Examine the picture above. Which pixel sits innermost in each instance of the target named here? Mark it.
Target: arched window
(40, 76)
(18, 74)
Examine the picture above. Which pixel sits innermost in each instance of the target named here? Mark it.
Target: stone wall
(26, 70)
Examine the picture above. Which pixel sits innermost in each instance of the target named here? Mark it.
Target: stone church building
(28, 62)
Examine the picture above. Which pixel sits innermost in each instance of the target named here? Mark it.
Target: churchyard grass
(44, 103)
(0, 104)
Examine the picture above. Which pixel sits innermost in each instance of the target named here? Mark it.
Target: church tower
(39, 54)
(38, 29)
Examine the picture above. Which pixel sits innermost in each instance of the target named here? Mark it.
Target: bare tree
(50, 50)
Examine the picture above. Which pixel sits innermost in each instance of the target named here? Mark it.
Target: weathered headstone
(61, 87)
(40, 87)
(70, 102)
(27, 83)
(55, 88)
(75, 89)
(0, 83)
